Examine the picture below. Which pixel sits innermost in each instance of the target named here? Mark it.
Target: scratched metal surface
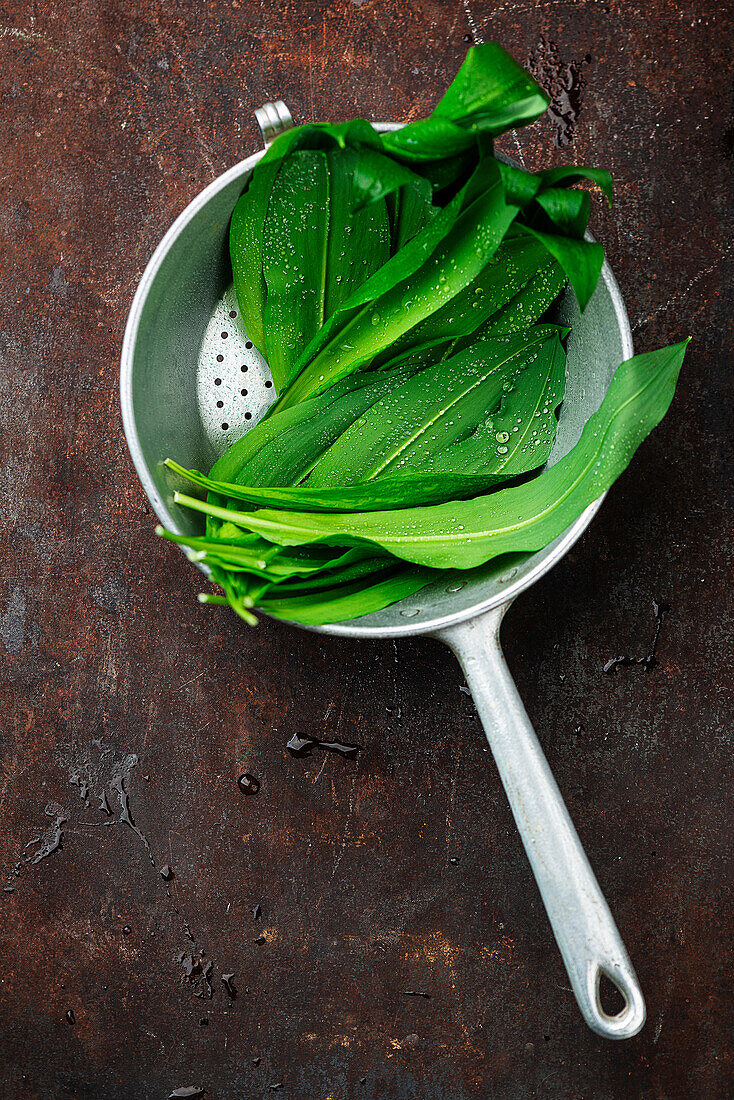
(399, 870)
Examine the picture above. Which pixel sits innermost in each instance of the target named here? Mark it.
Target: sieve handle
(582, 923)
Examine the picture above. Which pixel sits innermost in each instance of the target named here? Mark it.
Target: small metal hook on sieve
(273, 119)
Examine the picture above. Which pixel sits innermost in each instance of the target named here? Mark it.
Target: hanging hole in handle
(612, 1000)
(618, 1007)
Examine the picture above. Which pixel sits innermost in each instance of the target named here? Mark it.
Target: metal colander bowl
(192, 383)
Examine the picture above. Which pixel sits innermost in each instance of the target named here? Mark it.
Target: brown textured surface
(114, 117)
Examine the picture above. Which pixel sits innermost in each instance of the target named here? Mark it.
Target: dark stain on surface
(52, 839)
(304, 746)
(111, 595)
(564, 82)
(13, 622)
(120, 783)
(647, 660)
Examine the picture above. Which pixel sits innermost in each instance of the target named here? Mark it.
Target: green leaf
(411, 209)
(408, 490)
(359, 234)
(290, 455)
(566, 174)
(580, 260)
(564, 211)
(348, 601)
(431, 140)
(519, 436)
(430, 410)
(520, 275)
(295, 250)
(476, 235)
(527, 517)
(246, 237)
(319, 246)
(491, 93)
(375, 176)
(520, 186)
(526, 307)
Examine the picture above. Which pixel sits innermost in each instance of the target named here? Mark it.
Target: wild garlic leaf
(246, 238)
(565, 210)
(581, 260)
(319, 246)
(530, 303)
(295, 250)
(410, 489)
(348, 601)
(476, 235)
(291, 455)
(521, 264)
(359, 234)
(527, 517)
(490, 94)
(410, 208)
(570, 174)
(519, 436)
(428, 411)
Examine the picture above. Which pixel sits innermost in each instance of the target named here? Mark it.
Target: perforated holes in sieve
(410, 612)
(456, 587)
(508, 576)
(223, 395)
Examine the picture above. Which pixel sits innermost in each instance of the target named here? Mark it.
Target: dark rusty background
(114, 116)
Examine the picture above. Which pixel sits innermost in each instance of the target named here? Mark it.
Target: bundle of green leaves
(398, 285)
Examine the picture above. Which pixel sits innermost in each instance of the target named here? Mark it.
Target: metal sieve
(192, 383)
